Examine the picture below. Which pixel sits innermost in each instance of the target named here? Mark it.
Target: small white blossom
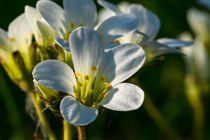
(78, 13)
(147, 30)
(96, 79)
(44, 33)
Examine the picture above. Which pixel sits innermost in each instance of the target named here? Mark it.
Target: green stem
(67, 135)
(11, 107)
(192, 92)
(159, 119)
(81, 133)
(42, 117)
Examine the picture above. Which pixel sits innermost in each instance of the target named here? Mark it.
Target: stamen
(72, 25)
(11, 39)
(79, 25)
(107, 85)
(86, 77)
(101, 79)
(93, 68)
(76, 95)
(116, 41)
(77, 74)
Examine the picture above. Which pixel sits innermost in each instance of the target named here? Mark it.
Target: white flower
(147, 30)
(19, 38)
(96, 79)
(44, 33)
(78, 13)
(200, 23)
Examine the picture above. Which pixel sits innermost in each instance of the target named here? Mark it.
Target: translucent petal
(124, 97)
(76, 113)
(116, 26)
(56, 75)
(63, 43)
(148, 21)
(174, 43)
(4, 41)
(81, 12)
(109, 6)
(121, 62)
(55, 16)
(44, 33)
(86, 48)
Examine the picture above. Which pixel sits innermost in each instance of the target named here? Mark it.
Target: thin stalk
(67, 135)
(42, 117)
(159, 119)
(11, 107)
(81, 133)
(192, 92)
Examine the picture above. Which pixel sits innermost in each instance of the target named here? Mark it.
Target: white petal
(174, 43)
(81, 12)
(110, 47)
(109, 6)
(86, 48)
(199, 21)
(76, 113)
(4, 42)
(44, 33)
(54, 16)
(116, 26)
(153, 49)
(104, 14)
(63, 43)
(56, 75)
(124, 97)
(121, 62)
(148, 21)
(21, 32)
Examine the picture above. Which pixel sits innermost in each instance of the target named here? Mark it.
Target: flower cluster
(82, 57)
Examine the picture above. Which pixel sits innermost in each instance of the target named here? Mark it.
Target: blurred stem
(192, 92)
(11, 107)
(81, 133)
(159, 119)
(67, 131)
(42, 117)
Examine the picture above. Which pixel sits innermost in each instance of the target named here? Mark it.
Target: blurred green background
(170, 113)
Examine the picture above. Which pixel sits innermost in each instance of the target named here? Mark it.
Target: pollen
(93, 68)
(107, 85)
(79, 25)
(77, 74)
(11, 39)
(101, 79)
(116, 41)
(72, 25)
(86, 77)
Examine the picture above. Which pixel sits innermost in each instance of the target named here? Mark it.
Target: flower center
(90, 89)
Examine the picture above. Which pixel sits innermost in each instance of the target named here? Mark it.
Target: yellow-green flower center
(90, 89)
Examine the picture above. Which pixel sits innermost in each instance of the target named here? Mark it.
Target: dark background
(162, 82)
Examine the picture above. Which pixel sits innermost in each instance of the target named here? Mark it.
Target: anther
(77, 74)
(11, 39)
(72, 25)
(93, 68)
(86, 77)
(107, 85)
(101, 79)
(79, 25)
